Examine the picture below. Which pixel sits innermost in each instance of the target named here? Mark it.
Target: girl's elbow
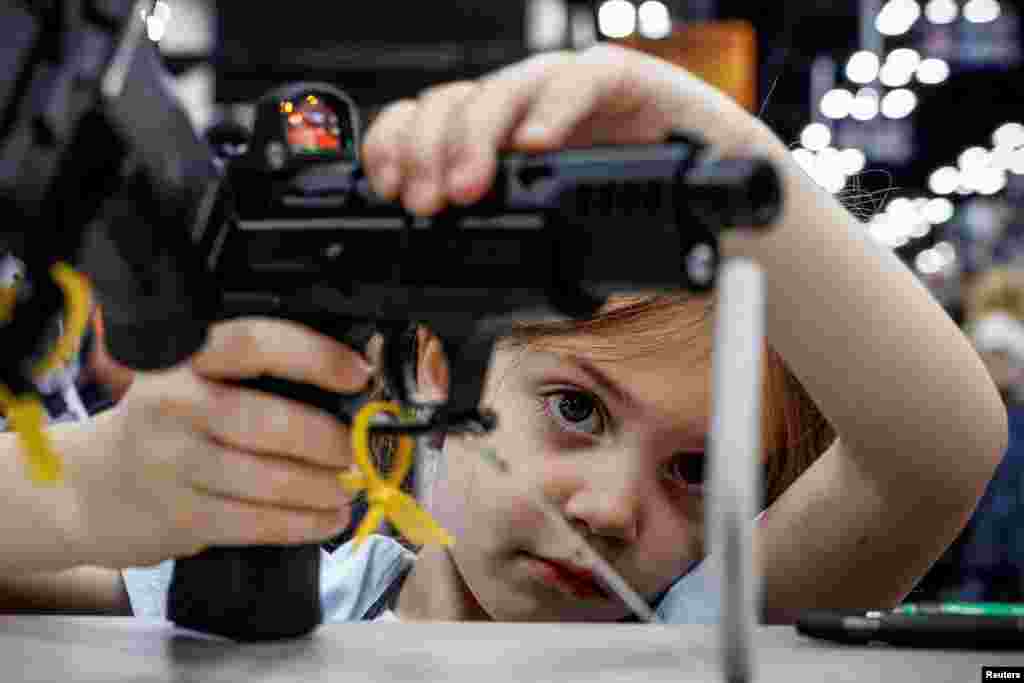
(989, 440)
(996, 431)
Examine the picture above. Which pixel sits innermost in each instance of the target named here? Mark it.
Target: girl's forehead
(619, 357)
(634, 328)
(684, 349)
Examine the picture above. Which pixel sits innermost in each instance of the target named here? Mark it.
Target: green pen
(974, 609)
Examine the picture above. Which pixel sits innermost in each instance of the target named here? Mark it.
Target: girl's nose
(608, 503)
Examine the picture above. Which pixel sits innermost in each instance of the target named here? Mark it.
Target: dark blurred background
(910, 111)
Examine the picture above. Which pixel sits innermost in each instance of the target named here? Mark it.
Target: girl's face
(616, 445)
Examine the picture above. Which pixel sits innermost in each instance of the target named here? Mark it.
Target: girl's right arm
(38, 572)
(75, 591)
(37, 522)
(185, 461)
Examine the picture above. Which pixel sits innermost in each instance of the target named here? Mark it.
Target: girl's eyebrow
(601, 379)
(698, 429)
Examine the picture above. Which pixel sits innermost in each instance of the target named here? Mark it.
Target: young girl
(607, 418)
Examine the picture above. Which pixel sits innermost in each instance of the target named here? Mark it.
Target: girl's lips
(576, 580)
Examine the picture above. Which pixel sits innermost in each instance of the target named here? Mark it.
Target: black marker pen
(960, 631)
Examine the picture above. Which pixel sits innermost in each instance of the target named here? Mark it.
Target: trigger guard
(399, 356)
(468, 358)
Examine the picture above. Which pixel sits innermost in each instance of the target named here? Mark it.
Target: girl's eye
(574, 411)
(687, 469)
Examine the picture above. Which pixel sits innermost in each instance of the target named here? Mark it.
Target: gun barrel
(734, 193)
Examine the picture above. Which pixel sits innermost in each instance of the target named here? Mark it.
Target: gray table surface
(115, 650)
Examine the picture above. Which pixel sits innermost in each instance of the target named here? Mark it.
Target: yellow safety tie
(385, 497)
(25, 413)
(77, 298)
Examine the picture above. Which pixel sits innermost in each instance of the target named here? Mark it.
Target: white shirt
(352, 581)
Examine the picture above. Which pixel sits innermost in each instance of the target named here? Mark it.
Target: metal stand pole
(734, 455)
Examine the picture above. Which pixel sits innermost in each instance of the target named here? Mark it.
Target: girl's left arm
(921, 426)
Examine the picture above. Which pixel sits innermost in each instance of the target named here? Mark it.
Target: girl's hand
(187, 461)
(442, 147)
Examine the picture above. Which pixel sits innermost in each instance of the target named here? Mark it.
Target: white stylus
(734, 451)
(74, 402)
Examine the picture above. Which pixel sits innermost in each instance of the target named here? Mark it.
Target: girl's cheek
(456, 493)
(470, 494)
(521, 514)
(447, 505)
